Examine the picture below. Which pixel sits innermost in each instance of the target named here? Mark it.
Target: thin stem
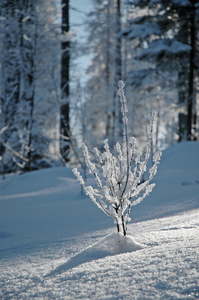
(123, 226)
(125, 131)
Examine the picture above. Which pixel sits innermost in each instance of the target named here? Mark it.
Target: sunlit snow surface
(54, 244)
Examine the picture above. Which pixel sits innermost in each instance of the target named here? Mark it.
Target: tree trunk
(108, 72)
(65, 88)
(191, 94)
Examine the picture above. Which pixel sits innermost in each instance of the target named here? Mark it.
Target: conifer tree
(166, 36)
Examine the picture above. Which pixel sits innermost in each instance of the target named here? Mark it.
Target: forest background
(49, 105)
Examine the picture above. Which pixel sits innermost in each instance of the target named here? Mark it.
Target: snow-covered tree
(104, 24)
(120, 183)
(17, 81)
(165, 35)
(29, 58)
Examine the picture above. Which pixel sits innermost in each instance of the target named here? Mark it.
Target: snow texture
(112, 244)
(55, 244)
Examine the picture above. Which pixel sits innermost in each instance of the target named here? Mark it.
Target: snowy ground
(47, 231)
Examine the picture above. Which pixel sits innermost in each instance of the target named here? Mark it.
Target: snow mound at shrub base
(116, 243)
(112, 244)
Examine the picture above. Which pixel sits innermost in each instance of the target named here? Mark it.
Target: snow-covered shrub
(119, 177)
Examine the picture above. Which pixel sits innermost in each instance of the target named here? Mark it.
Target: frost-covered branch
(119, 185)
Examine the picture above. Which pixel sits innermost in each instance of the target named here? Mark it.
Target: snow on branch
(119, 175)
